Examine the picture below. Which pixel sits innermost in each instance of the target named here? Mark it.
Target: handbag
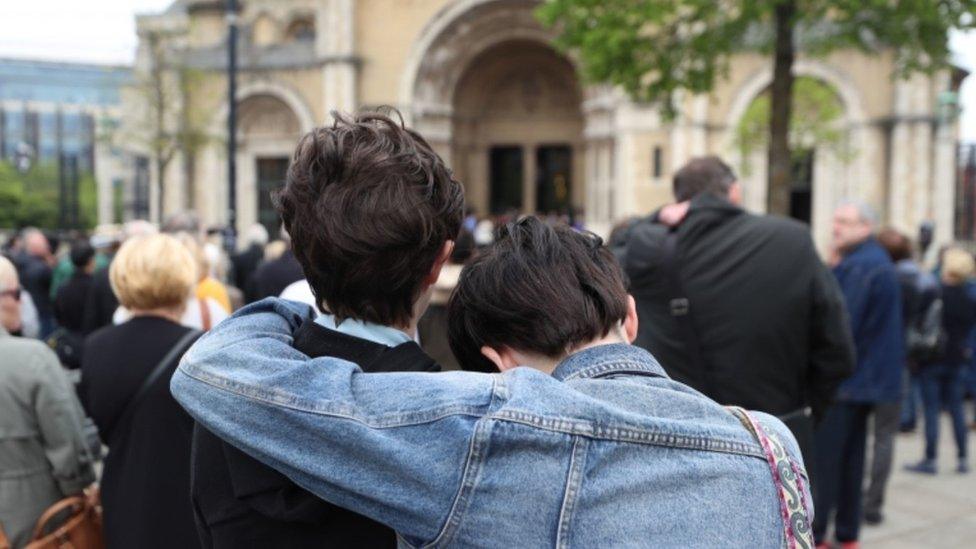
(81, 530)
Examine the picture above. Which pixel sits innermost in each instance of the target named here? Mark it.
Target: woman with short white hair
(125, 388)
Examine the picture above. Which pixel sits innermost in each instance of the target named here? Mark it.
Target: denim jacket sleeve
(391, 446)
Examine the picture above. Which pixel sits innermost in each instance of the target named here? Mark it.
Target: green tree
(654, 48)
(33, 198)
(814, 122)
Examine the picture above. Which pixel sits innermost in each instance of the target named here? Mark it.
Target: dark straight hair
(539, 288)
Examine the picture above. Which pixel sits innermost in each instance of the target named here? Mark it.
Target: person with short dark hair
(737, 305)
(582, 440)
(69, 304)
(372, 212)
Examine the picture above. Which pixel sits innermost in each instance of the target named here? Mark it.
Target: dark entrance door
(801, 186)
(271, 176)
(553, 179)
(505, 179)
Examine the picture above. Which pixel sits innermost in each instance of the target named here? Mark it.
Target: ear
(735, 193)
(503, 358)
(442, 257)
(630, 322)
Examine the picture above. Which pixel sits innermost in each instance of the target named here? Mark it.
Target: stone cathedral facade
(511, 115)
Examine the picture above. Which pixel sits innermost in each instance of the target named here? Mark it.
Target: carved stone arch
(850, 96)
(277, 90)
(300, 25)
(833, 178)
(447, 46)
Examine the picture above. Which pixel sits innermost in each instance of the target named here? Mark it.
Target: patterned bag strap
(788, 480)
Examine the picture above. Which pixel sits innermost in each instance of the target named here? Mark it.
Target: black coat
(769, 315)
(69, 304)
(35, 277)
(245, 264)
(101, 303)
(272, 277)
(145, 484)
(240, 502)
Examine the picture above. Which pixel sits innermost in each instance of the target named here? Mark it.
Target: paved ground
(927, 512)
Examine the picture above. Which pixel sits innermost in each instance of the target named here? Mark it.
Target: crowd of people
(705, 366)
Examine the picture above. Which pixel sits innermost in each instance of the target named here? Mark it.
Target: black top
(273, 277)
(958, 319)
(145, 485)
(769, 315)
(69, 304)
(240, 502)
(35, 277)
(101, 303)
(245, 263)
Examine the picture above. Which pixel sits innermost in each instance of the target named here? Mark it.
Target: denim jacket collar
(602, 360)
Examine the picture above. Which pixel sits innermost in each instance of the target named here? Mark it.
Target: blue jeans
(840, 447)
(909, 403)
(942, 386)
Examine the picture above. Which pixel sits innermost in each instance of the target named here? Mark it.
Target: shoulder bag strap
(176, 351)
(681, 310)
(788, 480)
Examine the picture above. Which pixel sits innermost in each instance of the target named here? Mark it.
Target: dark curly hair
(368, 205)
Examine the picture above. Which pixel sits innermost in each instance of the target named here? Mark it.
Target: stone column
(335, 41)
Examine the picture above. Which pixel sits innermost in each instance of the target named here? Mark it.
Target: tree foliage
(654, 48)
(33, 198)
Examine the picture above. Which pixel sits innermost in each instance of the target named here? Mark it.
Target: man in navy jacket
(870, 286)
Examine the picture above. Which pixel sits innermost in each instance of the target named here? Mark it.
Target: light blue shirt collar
(377, 333)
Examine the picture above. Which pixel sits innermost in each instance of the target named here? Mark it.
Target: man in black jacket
(372, 212)
(738, 306)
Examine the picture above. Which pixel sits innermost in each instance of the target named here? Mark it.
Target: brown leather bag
(4, 541)
(81, 530)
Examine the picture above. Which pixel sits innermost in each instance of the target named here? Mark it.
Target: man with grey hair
(738, 306)
(868, 280)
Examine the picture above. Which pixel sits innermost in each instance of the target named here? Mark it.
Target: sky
(103, 31)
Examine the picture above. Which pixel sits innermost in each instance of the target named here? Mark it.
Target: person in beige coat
(42, 453)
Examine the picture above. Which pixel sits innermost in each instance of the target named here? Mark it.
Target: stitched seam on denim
(611, 365)
(573, 488)
(404, 420)
(472, 470)
(623, 434)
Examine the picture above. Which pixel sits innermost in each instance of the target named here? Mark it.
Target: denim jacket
(606, 452)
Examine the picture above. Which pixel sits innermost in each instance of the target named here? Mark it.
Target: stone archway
(484, 78)
(833, 178)
(517, 130)
(271, 118)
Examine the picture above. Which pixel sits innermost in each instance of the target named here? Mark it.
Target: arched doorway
(517, 130)
(268, 129)
(833, 160)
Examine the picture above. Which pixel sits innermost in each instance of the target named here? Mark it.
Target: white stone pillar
(337, 43)
(900, 157)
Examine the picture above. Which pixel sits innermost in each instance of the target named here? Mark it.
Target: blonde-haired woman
(125, 389)
(942, 380)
